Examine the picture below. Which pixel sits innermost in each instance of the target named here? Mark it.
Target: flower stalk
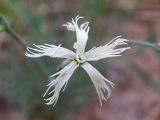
(2, 23)
(6, 27)
(142, 43)
(156, 46)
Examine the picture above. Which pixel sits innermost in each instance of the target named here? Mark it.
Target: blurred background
(136, 74)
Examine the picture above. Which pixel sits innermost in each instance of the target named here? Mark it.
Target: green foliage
(7, 8)
(2, 29)
(95, 7)
(4, 22)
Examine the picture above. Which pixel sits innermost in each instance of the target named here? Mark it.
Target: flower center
(80, 58)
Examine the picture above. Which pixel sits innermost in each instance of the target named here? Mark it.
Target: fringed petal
(49, 50)
(108, 50)
(81, 33)
(100, 82)
(58, 84)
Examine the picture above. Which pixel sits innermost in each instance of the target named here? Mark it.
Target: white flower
(79, 58)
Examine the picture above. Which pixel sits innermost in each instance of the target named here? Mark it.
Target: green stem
(16, 37)
(142, 43)
(13, 34)
(156, 47)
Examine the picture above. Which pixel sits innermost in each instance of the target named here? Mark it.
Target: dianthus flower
(80, 58)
